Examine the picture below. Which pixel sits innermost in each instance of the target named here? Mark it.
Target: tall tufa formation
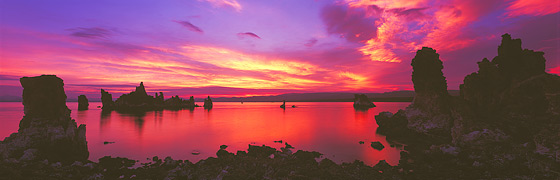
(46, 131)
(107, 100)
(429, 112)
(208, 103)
(83, 103)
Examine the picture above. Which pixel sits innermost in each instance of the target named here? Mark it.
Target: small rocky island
(83, 103)
(361, 101)
(140, 101)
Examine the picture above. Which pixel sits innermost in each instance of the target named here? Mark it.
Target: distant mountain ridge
(393, 96)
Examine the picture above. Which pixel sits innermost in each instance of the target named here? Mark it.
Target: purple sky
(256, 47)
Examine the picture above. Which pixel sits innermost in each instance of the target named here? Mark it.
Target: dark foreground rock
(259, 162)
(505, 124)
(83, 103)
(46, 131)
(361, 101)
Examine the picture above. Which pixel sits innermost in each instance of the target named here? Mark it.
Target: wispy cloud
(189, 26)
(226, 3)
(93, 33)
(248, 35)
(311, 42)
(532, 7)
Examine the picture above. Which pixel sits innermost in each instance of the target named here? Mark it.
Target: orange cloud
(532, 7)
(239, 61)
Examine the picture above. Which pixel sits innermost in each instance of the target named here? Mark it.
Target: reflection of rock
(46, 131)
(208, 103)
(83, 103)
(283, 106)
(361, 101)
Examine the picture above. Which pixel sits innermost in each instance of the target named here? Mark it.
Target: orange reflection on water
(333, 129)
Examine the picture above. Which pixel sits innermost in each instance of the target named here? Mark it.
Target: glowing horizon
(226, 48)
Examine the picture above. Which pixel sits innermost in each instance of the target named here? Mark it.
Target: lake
(332, 128)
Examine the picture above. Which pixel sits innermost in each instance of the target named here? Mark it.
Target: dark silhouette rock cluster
(139, 101)
(208, 103)
(46, 131)
(504, 124)
(361, 101)
(83, 103)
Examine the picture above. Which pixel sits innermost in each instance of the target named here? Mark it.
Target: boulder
(83, 103)
(46, 131)
(361, 101)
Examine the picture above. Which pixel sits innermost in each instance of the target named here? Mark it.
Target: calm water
(332, 128)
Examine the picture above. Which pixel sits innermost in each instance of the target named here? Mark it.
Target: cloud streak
(190, 26)
(248, 35)
(92, 33)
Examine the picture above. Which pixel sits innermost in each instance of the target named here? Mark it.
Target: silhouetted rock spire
(426, 72)
(208, 103)
(107, 100)
(83, 103)
(46, 131)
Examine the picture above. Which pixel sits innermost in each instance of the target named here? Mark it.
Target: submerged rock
(83, 103)
(361, 101)
(377, 145)
(46, 131)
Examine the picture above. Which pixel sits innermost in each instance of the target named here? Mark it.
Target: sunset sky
(259, 47)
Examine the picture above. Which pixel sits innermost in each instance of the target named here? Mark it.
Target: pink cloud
(350, 23)
(532, 7)
(225, 3)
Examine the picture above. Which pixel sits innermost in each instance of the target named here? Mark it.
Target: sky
(225, 48)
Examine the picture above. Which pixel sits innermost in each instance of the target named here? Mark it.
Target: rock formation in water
(139, 101)
(361, 101)
(208, 103)
(83, 103)
(505, 123)
(107, 100)
(46, 131)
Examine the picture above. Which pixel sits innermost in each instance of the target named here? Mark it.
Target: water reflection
(333, 129)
